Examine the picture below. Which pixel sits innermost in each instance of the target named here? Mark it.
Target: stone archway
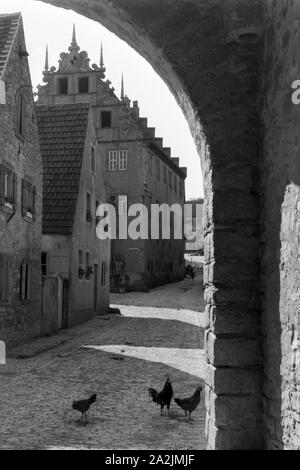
(207, 51)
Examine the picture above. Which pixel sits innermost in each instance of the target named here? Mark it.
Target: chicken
(190, 404)
(84, 405)
(164, 397)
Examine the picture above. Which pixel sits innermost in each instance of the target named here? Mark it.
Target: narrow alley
(118, 357)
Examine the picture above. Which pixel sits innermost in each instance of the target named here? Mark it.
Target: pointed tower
(74, 41)
(47, 60)
(122, 88)
(102, 68)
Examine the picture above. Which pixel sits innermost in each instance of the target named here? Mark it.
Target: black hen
(84, 405)
(164, 397)
(190, 404)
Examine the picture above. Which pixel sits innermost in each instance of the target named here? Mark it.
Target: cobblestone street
(117, 357)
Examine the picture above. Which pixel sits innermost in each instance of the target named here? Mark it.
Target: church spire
(74, 41)
(47, 60)
(122, 88)
(101, 57)
(102, 68)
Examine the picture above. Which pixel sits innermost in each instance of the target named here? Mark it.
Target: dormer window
(105, 119)
(83, 85)
(62, 86)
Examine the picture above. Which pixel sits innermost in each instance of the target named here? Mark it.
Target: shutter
(2, 184)
(23, 281)
(8, 270)
(15, 190)
(28, 281)
(1, 276)
(24, 198)
(22, 124)
(34, 202)
(10, 186)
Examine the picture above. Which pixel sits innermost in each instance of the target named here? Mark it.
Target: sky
(45, 24)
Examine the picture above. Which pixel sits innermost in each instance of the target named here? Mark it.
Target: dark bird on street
(190, 404)
(164, 397)
(84, 405)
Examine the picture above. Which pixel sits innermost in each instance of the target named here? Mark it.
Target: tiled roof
(62, 132)
(8, 28)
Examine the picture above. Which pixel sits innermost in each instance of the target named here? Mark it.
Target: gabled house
(73, 188)
(20, 190)
(137, 167)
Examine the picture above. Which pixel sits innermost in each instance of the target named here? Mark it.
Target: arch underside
(210, 54)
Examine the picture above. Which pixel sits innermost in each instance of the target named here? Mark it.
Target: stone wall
(20, 238)
(280, 225)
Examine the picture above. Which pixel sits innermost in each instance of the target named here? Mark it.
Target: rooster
(190, 404)
(84, 405)
(164, 397)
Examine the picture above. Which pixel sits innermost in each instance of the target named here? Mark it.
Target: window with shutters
(5, 278)
(28, 199)
(20, 116)
(8, 187)
(25, 280)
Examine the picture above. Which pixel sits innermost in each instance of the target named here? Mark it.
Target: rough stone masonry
(230, 65)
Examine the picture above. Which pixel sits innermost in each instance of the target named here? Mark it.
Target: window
(62, 86)
(165, 174)
(181, 188)
(118, 160)
(113, 160)
(97, 218)
(103, 273)
(157, 164)
(123, 160)
(88, 207)
(25, 281)
(80, 257)
(150, 163)
(93, 158)
(5, 278)
(20, 115)
(88, 269)
(8, 187)
(28, 199)
(81, 270)
(83, 85)
(175, 183)
(170, 179)
(44, 263)
(105, 119)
